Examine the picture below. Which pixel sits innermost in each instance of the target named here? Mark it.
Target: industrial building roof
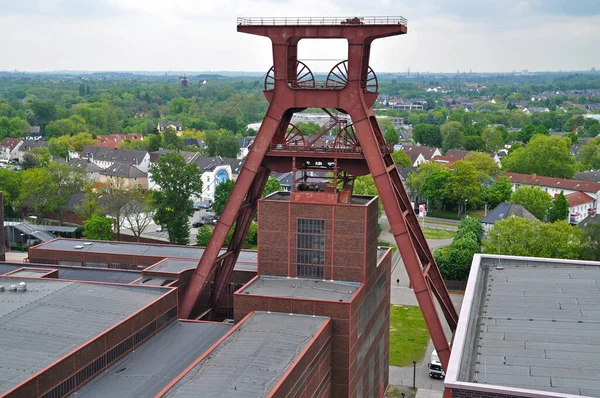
(302, 288)
(52, 318)
(79, 273)
(136, 249)
(177, 265)
(152, 366)
(355, 200)
(252, 359)
(530, 324)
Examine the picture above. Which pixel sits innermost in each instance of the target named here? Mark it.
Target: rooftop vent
(78, 246)
(88, 243)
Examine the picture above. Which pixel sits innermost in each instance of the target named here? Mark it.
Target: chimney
(533, 176)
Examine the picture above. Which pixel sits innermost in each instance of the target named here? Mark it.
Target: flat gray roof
(252, 359)
(52, 318)
(153, 365)
(137, 249)
(87, 274)
(29, 273)
(177, 265)
(529, 323)
(315, 289)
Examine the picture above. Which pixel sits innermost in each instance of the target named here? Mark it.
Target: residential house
(420, 154)
(200, 144)
(285, 180)
(504, 211)
(590, 176)
(245, 144)
(112, 140)
(35, 134)
(90, 168)
(106, 157)
(28, 145)
(131, 175)
(177, 126)
(445, 160)
(581, 205)
(554, 186)
(9, 148)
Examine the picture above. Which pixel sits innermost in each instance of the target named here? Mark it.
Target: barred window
(310, 254)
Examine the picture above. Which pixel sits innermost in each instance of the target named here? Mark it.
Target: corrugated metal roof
(52, 318)
(277, 286)
(152, 366)
(250, 361)
(534, 325)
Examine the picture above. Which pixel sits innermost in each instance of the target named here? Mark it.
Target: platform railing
(285, 21)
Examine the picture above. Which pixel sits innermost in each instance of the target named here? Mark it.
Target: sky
(200, 35)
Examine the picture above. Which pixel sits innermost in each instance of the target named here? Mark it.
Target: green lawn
(451, 214)
(408, 335)
(434, 233)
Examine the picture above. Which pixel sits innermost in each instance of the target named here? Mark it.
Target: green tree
(589, 155)
(70, 126)
(98, 228)
(179, 182)
(90, 203)
(499, 192)
(428, 135)
(493, 138)
(401, 159)
(66, 182)
(453, 136)
(473, 143)
(222, 143)
(430, 182)
(309, 128)
(484, 164)
(536, 201)
(203, 236)
(10, 183)
(171, 140)
(590, 246)
(222, 192)
(36, 157)
(559, 210)
(516, 236)
(391, 136)
(154, 142)
(36, 192)
(138, 212)
(455, 261)
(114, 198)
(544, 156)
(273, 185)
(463, 186)
(470, 227)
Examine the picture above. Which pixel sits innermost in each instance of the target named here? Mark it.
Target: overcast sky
(200, 35)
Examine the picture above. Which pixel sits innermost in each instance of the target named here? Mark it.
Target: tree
(154, 142)
(67, 181)
(98, 228)
(548, 156)
(36, 186)
(90, 203)
(463, 186)
(493, 138)
(500, 192)
(589, 155)
(222, 143)
(401, 159)
(559, 210)
(114, 198)
(455, 261)
(36, 157)
(516, 236)
(428, 135)
(473, 143)
(391, 136)
(179, 182)
(222, 192)
(203, 236)
(590, 246)
(273, 185)
(453, 135)
(171, 140)
(430, 182)
(536, 201)
(484, 164)
(138, 212)
(10, 183)
(471, 228)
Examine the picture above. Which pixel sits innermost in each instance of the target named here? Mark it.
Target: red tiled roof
(557, 183)
(10, 143)
(111, 141)
(578, 198)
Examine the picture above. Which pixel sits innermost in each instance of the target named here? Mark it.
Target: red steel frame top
(320, 21)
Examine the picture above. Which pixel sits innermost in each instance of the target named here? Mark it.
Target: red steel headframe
(288, 93)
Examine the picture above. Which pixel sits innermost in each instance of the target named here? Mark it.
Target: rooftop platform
(53, 318)
(319, 21)
(135, 249)
(252, 359)
(246, 262)
(528, 325)
(360, 200)
(301, 288)
(152, 366)
(87, 274)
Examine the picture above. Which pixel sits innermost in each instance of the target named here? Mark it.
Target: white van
(435, 367)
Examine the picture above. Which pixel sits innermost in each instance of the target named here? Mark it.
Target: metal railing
(286, 21)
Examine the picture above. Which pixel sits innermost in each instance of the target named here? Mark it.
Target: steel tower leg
(240, 206)
(417, 257)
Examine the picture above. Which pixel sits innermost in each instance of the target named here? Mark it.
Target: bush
(455, 260)
(252, 236)
(203, 235)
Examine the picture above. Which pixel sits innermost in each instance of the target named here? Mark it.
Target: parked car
(201, 205)
(197, 224)
(209, 219)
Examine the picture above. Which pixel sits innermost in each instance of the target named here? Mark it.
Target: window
(310, 254)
